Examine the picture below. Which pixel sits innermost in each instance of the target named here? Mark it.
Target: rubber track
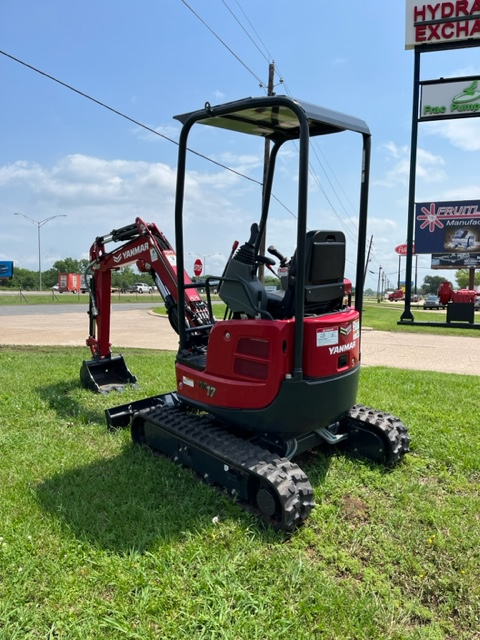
(286, 478)
(394, 431)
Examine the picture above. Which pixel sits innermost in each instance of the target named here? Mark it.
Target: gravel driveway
(138, 327)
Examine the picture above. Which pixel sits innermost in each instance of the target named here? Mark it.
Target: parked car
(140, 287)
(433, 302)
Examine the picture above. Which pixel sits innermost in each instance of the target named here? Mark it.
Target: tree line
(27, 280)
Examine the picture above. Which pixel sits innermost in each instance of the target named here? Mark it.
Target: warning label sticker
(327, 337)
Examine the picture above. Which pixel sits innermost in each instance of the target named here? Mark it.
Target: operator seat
(324, 273)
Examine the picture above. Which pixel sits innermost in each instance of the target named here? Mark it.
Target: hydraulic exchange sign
(442, 23)
(447, 227)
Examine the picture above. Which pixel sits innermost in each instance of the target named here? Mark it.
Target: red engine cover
(331, 344)
(247, 360)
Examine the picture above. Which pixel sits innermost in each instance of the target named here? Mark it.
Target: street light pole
(39, 224)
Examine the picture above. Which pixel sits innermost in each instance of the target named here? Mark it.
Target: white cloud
(463, 134)
(397, 161)
(98, 195)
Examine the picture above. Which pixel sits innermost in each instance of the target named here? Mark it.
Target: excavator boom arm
(144, 244)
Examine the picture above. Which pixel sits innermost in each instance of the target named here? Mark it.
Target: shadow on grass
(132, 501)
(137, 499)
(60, 398)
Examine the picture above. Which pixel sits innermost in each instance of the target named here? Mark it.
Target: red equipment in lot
(71, 282)
(398, 294)
(447, 294)
(279, 375)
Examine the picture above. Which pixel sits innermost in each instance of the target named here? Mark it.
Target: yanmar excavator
(279, 375)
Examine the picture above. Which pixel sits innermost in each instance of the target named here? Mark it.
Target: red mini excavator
(279, 375)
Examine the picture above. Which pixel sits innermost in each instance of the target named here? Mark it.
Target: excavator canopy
(275, 121)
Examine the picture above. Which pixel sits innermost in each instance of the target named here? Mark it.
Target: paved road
(138, 327)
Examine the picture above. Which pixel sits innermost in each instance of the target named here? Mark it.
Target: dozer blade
(120, 416)
(105, 375)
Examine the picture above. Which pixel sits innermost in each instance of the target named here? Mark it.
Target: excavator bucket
(106, 374)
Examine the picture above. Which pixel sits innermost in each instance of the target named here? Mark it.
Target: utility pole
(379, 284)
(266, 162)
(367, 261)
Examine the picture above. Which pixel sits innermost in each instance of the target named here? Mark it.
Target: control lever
(283, 261)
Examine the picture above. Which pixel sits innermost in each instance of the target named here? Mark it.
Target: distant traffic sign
(197, 267)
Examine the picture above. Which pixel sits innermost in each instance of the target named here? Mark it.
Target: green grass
(385, 317)
(47, 297)
(102, 540)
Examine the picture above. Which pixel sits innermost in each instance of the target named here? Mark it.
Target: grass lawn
(102, 540)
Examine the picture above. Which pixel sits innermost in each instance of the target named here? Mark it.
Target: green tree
(462, 277)
(432, 283)
(70, 265)
(125, 277)
(24, 279)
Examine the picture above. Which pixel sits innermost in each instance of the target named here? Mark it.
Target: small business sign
(451, 98)
(447, 227)
(445, 24)
(6, 269)
(401, 249)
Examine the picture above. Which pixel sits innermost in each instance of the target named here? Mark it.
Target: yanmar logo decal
(131, 253)
(341, 348)
(344, 331)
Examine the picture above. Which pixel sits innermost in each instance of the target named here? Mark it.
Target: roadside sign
(402, 249)
(197, 267)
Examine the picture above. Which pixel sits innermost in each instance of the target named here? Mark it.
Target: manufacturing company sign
(452, 98)
(447, 227)
(441, 23)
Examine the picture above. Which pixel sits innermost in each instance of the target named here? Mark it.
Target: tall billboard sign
(443, 24)
(447, 227)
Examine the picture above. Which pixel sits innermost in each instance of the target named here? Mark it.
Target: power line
(269, 57)
(246, 32)
(260, 82)
(125, 116)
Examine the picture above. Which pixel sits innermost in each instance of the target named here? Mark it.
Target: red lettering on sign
(420, 34)
(419, 14)
(433, 9)
(475, 28)
(434, 35)
(461, 8)
(448, 30)
(475, 6)
(447, 9)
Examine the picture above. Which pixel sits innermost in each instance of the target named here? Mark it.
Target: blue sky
(63, 154)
